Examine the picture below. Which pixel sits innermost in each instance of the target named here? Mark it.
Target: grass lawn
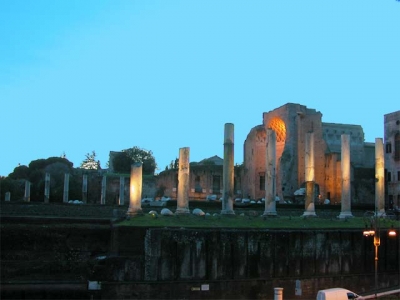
(252, 222)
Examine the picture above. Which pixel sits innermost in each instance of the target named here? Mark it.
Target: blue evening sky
(84, 75)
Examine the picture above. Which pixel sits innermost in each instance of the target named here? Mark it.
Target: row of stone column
(184, 182)
(346, 176)
(135, 203)
(228, 179)
(270, 178)
(27, 192)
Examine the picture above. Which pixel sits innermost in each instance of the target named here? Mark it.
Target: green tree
(35, 173)
(20, 172)
(40, 164)
(121, 163)
(90, 162)
(123, 160)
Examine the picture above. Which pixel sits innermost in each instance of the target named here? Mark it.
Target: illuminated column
(27, 196)
(7, 196)
(47, 188)
(379, 177)
(278, 293)
(309, 175)
(228, 171)
(84, 188)
(346, 189)
(66, 188)
(183, 182)
(135, 203)
(121, 199)
(270, 174)
(103, 190)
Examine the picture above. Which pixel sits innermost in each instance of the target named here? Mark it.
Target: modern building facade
(392, 157)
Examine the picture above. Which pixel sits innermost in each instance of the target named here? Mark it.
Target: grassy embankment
(252, 222)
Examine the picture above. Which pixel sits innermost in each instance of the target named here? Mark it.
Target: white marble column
(84, 188)
(27, 195)
(309, 175)
(66, 188)
(228, 170)
(270, 174)
(121, 197)
(379, 177)
(103, 190)
(47, 188)
(135, 201)
(183, 182)
(346, 188)
(7, 196)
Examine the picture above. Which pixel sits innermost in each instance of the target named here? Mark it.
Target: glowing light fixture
(392, 232)
(368, 232)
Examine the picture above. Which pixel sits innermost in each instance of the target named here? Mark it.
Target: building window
(197, 186)
(398, 175)
(397, 146)
(390, 201)
(388, 147)
(216, 184)
(262, 181)
(389, 176)
(236, 185)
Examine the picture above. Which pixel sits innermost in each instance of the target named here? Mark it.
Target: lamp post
(372, 223)
(373, 229)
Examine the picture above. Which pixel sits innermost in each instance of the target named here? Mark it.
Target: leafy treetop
(123, 160)
(90, 162)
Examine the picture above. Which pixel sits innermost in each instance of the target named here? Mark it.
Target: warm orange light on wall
(279, 127)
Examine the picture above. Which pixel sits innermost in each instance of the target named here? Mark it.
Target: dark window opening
(388, 148)
(197, 186)
(262, 182)
(235, 185)
(397, 146)
(216, 187)
(390, 201)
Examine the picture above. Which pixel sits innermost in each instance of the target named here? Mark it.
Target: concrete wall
(142, 263)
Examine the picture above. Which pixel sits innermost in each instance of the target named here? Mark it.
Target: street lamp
(373, 229)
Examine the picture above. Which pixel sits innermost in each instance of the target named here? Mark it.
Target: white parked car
(336, 294)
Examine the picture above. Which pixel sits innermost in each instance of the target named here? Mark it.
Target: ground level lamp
(372, 229)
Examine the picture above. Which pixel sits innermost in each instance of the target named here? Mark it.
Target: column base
(133, 212)
(182, 211)
(270, 214)
(309, 214)
(227, 212)
(345, 215)
(381, 213)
